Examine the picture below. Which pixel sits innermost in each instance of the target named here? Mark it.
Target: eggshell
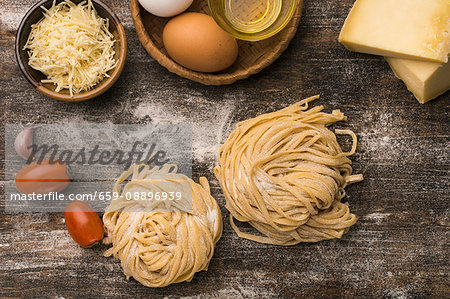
(165, 8)
(195, 41)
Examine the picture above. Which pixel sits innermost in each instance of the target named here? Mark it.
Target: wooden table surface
(399, 247)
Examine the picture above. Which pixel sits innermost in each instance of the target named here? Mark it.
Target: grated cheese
(72, 46)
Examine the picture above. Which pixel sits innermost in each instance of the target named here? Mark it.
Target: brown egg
(195, 41)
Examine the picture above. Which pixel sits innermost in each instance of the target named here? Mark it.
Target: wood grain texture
(399, 247)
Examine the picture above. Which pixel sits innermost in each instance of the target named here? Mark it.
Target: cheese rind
(409, 29)
(426, 80)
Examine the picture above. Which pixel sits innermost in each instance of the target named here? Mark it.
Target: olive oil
(251, 16)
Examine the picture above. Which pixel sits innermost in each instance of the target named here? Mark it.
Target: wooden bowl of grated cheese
(71, 50)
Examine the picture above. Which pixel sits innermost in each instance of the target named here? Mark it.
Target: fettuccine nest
(157, 243)
(285, 173)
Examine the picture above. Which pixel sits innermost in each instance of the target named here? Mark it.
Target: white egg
(165, 8)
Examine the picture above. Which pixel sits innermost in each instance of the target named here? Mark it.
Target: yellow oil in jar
(251, 16)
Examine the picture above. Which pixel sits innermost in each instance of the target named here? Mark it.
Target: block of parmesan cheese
(409, 29)
(426, 80)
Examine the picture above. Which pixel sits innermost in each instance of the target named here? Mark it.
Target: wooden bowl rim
(213, 78)
(83, 96)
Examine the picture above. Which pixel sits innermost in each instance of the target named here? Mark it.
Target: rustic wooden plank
(399, 247)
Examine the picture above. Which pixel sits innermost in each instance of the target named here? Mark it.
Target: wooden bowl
(48, 89)
(253, 56)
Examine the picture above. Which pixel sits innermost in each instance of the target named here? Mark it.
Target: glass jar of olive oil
(252, 19)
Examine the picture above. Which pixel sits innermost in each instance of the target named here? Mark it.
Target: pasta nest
(285, 174)
(157, 242)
